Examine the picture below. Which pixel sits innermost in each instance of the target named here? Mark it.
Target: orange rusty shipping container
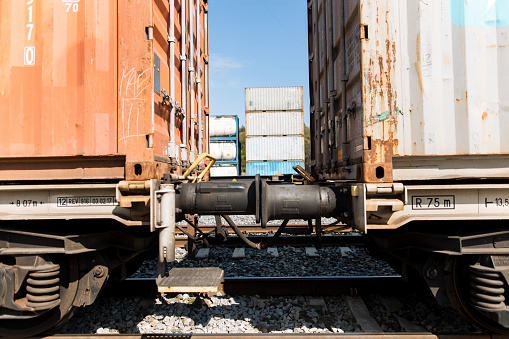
(94, 89)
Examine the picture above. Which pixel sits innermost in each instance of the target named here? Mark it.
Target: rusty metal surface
(61, 168)
(398, 80)
(84, 78)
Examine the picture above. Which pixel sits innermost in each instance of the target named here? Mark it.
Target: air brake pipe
(254, 245)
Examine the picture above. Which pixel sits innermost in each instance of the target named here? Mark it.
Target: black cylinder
(287, 201)
(215, 198)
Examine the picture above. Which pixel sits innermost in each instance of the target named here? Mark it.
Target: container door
(58, 70)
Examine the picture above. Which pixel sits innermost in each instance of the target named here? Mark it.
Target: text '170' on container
(95, 89)
(409, 89)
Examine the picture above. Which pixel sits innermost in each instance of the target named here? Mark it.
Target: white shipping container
(275, 148)
(274, 99)
(223, 150)
(222, 126)
(427, 89)
(223, 171)
(274, 123)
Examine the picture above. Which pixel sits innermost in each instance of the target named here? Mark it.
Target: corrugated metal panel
(224, 171)
(272, 167)
(455, 99)
(274, 123)
(275, 148)
(85, 78)
(222, 126)
(274, 99)
(425, 79)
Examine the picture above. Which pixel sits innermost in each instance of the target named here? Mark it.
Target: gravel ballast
(184, 313)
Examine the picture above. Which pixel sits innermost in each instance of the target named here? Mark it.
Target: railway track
(357, 292)
(271, 286)
(284, 336)
(258, 234)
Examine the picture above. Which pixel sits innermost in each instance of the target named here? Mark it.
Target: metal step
(192, 280)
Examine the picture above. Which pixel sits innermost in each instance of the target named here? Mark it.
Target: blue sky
(256, 43)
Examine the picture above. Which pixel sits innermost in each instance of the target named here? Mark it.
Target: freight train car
(103, 106)
(98, 101)
(409, 100)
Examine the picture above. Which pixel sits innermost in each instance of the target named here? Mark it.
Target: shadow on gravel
(192, 314)
(182, 314)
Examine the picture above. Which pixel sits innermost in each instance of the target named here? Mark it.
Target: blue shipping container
(267, 168)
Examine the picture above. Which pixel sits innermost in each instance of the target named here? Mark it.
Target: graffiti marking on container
(381, 117)
(86, 201)
(132, 87)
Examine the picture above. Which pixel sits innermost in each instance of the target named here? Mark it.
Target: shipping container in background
(225, 145)
(217, 171)
(274, 130)
(409, 90)
(275, 148)
(271, 168)
(274, 123)
(103, 89)
(260, 99)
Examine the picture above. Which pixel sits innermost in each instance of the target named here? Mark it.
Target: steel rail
(271, 228)
(312, 285)
(287, 240)
(384, 335)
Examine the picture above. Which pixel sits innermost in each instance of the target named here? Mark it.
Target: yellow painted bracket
(303, 173)
(195, 164)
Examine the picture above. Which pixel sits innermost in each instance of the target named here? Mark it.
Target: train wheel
(25, 324)
(478, 293)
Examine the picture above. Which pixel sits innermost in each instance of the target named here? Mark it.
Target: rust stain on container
(85, 79)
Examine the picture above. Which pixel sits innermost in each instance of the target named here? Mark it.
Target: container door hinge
(165, 98)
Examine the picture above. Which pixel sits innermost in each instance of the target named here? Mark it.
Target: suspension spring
(43, 287)
(486, 288)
